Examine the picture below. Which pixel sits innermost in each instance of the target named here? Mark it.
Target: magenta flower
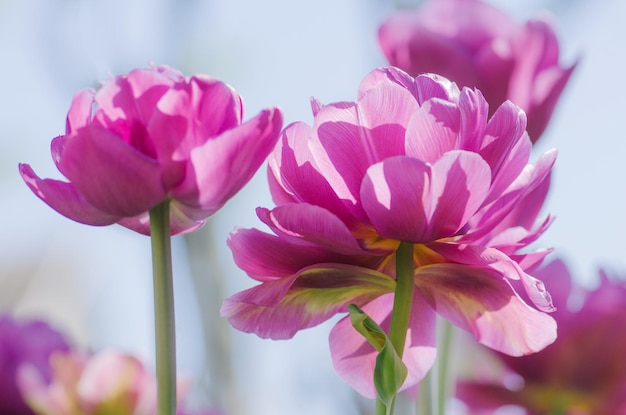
(105, 383)
(28, 342)
(150, 136)
(414, 160)
(582, 373)
(476, 45)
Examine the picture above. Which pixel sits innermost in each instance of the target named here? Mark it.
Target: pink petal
(182, 220)
(65, 199)
(474, 110)
(395, 196)
(384, 111)
(505, 128)
(432, 130)
(280, 308)
(223, 165)
(194, 112)
(537, 80)
(79, 114)
(110, 174)
(341, 150)
(549, 85)
(126, 104)
(459, 184)
(481, 302)
(386, 76)
(266, 257)
(294, 169)
(486, 397)
(531, 178)
(354, 358)
(313, 224)
(431, 86)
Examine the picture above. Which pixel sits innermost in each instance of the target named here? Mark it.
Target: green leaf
(389, 372)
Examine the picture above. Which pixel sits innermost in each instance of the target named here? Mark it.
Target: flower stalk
(424, 399)
(403, 296)
(164, 325)
(401, 312)
(443, 380)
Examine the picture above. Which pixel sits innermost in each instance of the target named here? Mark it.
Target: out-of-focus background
(94, 284)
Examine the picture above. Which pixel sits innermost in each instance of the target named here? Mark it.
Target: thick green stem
(165, 335)
(443, 380)
(403, 296)
(401, 312)
(381, 408)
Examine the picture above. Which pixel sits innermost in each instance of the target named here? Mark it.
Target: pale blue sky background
(94, 283)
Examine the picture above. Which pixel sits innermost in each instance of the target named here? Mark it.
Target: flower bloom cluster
(583, 372)
(152, 136)
(24, 342)
(476, 45)
(414, 160)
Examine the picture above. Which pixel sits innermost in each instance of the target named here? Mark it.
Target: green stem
(381, 408)
(403, 296)
(401, 312)
(165, 335)
(424, 399)
(444, 349)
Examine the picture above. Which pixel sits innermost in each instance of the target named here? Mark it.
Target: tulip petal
(483, 303)
(223, 165)
(395, 196)
(504, 129)
(79, 114)
(389, 75)
(313, 224)
(432, 130)
(266, 257)
(65, 199)
(460, 182)
(280, 308)
(181, 220)
(293, 167)
(486, 396)
(354, 358)
(110, 174)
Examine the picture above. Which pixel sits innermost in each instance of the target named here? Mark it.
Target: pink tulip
(415, 160)
(476, 45)
(150, 136)
(582, 373)
(105, 383)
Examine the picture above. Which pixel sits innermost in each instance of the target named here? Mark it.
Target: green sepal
(389, 372)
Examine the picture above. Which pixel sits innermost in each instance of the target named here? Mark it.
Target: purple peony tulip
(415, 160)
(24, 342)
(150, 136)
(476, 45)
(582, 373)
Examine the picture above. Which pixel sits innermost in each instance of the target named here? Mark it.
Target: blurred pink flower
(476, 45)
(416, 160)
(24, 342)
(582, 373)
(107, 383)
(150, 136)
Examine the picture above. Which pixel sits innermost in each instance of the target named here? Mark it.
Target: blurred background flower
(582, 373)
(475, 44)
(279, 52)
(30, 342)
